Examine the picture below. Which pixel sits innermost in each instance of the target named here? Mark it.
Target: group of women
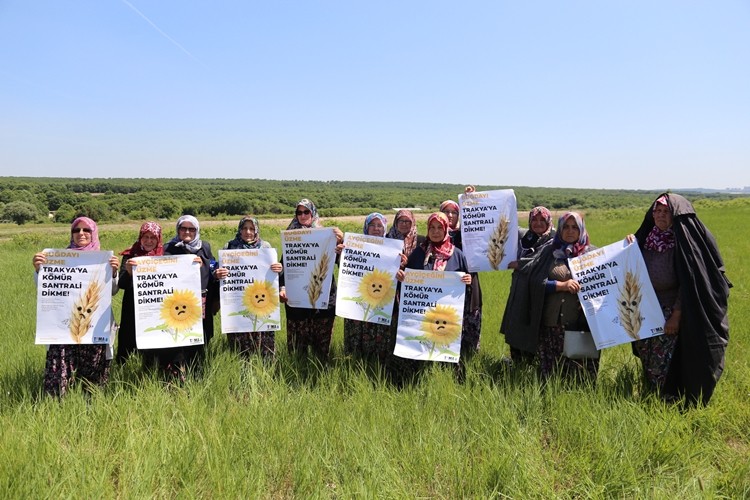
(681, 255)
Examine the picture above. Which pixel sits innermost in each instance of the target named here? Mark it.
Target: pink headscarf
(440, 251)
(90, 224)
(137, 249)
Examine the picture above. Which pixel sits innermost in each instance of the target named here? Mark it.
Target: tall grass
(295, 428)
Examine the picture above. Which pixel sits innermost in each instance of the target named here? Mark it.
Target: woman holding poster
(548, 294)
(473, 318)
(404, 228)
(67, 362)
(361, 338)
(148, 243)
(248, 343)
(687, 272)
(310, 327)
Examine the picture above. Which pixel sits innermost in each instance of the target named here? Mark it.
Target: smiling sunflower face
(181, 310)
(261, 298)
(376, 288)
(441, 325)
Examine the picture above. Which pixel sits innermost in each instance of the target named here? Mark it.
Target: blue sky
(595, 94)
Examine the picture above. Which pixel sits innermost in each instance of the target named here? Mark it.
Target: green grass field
(295, 429)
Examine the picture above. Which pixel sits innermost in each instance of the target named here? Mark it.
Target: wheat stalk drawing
(83, 309)
(628, 305)
(496, 248)
(317, 278)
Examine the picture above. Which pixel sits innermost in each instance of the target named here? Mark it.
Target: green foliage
(19, 212)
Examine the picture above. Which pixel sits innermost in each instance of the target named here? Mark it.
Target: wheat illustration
(83, 309)
(629, 305)
(317, 278)
(496, 249)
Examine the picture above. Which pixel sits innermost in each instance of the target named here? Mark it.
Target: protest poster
(489, 229)
(309, 257)
(168, 303)
(367, 278)
(431, 312)
(74, 297)
(250, 293)
(616, 294)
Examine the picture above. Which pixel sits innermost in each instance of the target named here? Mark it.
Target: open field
(294, 429)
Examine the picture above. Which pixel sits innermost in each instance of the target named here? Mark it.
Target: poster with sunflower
(168, 303)
(616, 294)
(250, 293)
(367, 278)
(309, 257)
(74, 297)
(489, 229)
(431, 312)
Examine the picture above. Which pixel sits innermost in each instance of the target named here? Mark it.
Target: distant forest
(27, 199)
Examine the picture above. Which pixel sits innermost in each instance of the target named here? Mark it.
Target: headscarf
(451, 205)
(315, 222)
(238, 243)
(565, 250)
(371, 217)
(442, 251)
(410, 239)
(137, 250)
(544, 212)
(194, 245)
(657, 240)
(90, 224)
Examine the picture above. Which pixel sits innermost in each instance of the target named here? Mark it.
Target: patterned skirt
(314, 332)
(367, 340)
(551, 359)
(249, 343)
(67, 363)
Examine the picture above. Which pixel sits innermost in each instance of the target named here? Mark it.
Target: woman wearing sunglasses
(68, 362)
(310, 327)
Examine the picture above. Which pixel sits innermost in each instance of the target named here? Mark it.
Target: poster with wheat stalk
(616, 294)
(309, 257)
(489, 229)
(74, 297)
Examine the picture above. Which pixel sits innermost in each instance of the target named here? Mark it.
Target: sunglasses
(300, 212)
(187, 229)
(80, 229)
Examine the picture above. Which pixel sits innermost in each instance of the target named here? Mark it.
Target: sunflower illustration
(261, 299)
(441, 325)
(376, 288)
(181, 310)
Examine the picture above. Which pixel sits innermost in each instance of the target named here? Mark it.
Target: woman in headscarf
(68, 362)
(470, 338)
(547, 295)
(530, 242)
(687, 272)
(363, 339)
(248, 343)
(404, 228)
(175, 361)
(148, 244)
(310, 327)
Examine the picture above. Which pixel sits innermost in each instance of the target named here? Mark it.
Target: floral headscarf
(90, 224)
(194, 245)
(137, 250)
(371, 217)
(239, 243)
(442, 251)
(315, 222)
(410, 239)
(657, 240)
(565, 250)
(453, 206)
(544, 212)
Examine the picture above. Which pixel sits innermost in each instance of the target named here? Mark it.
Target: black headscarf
(698, 360)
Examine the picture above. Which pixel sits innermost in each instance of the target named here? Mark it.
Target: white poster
(74, 297)
(250, 292)
(616, 294)
(489, 229)
(431, 315)
(309, 257)
(367, 278)
(168, 303)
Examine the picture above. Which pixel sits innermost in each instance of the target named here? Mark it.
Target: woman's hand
(570, 286)
(115, 264)
(339, 248)
(277, 267)
(339, 235)
(403, 259)
(39, 259)
(466, 279)
(469, 189)
(630, 238)
(198, 260)
(672, 325)
(400, 274)
(221, 273)
(282, 295)
(129, 265)
(513, 264)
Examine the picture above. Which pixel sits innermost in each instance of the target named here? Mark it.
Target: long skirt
(314, 332)
(656, 355)
(551, 359)
(249, 343)
(367, 340)
(67, 363)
